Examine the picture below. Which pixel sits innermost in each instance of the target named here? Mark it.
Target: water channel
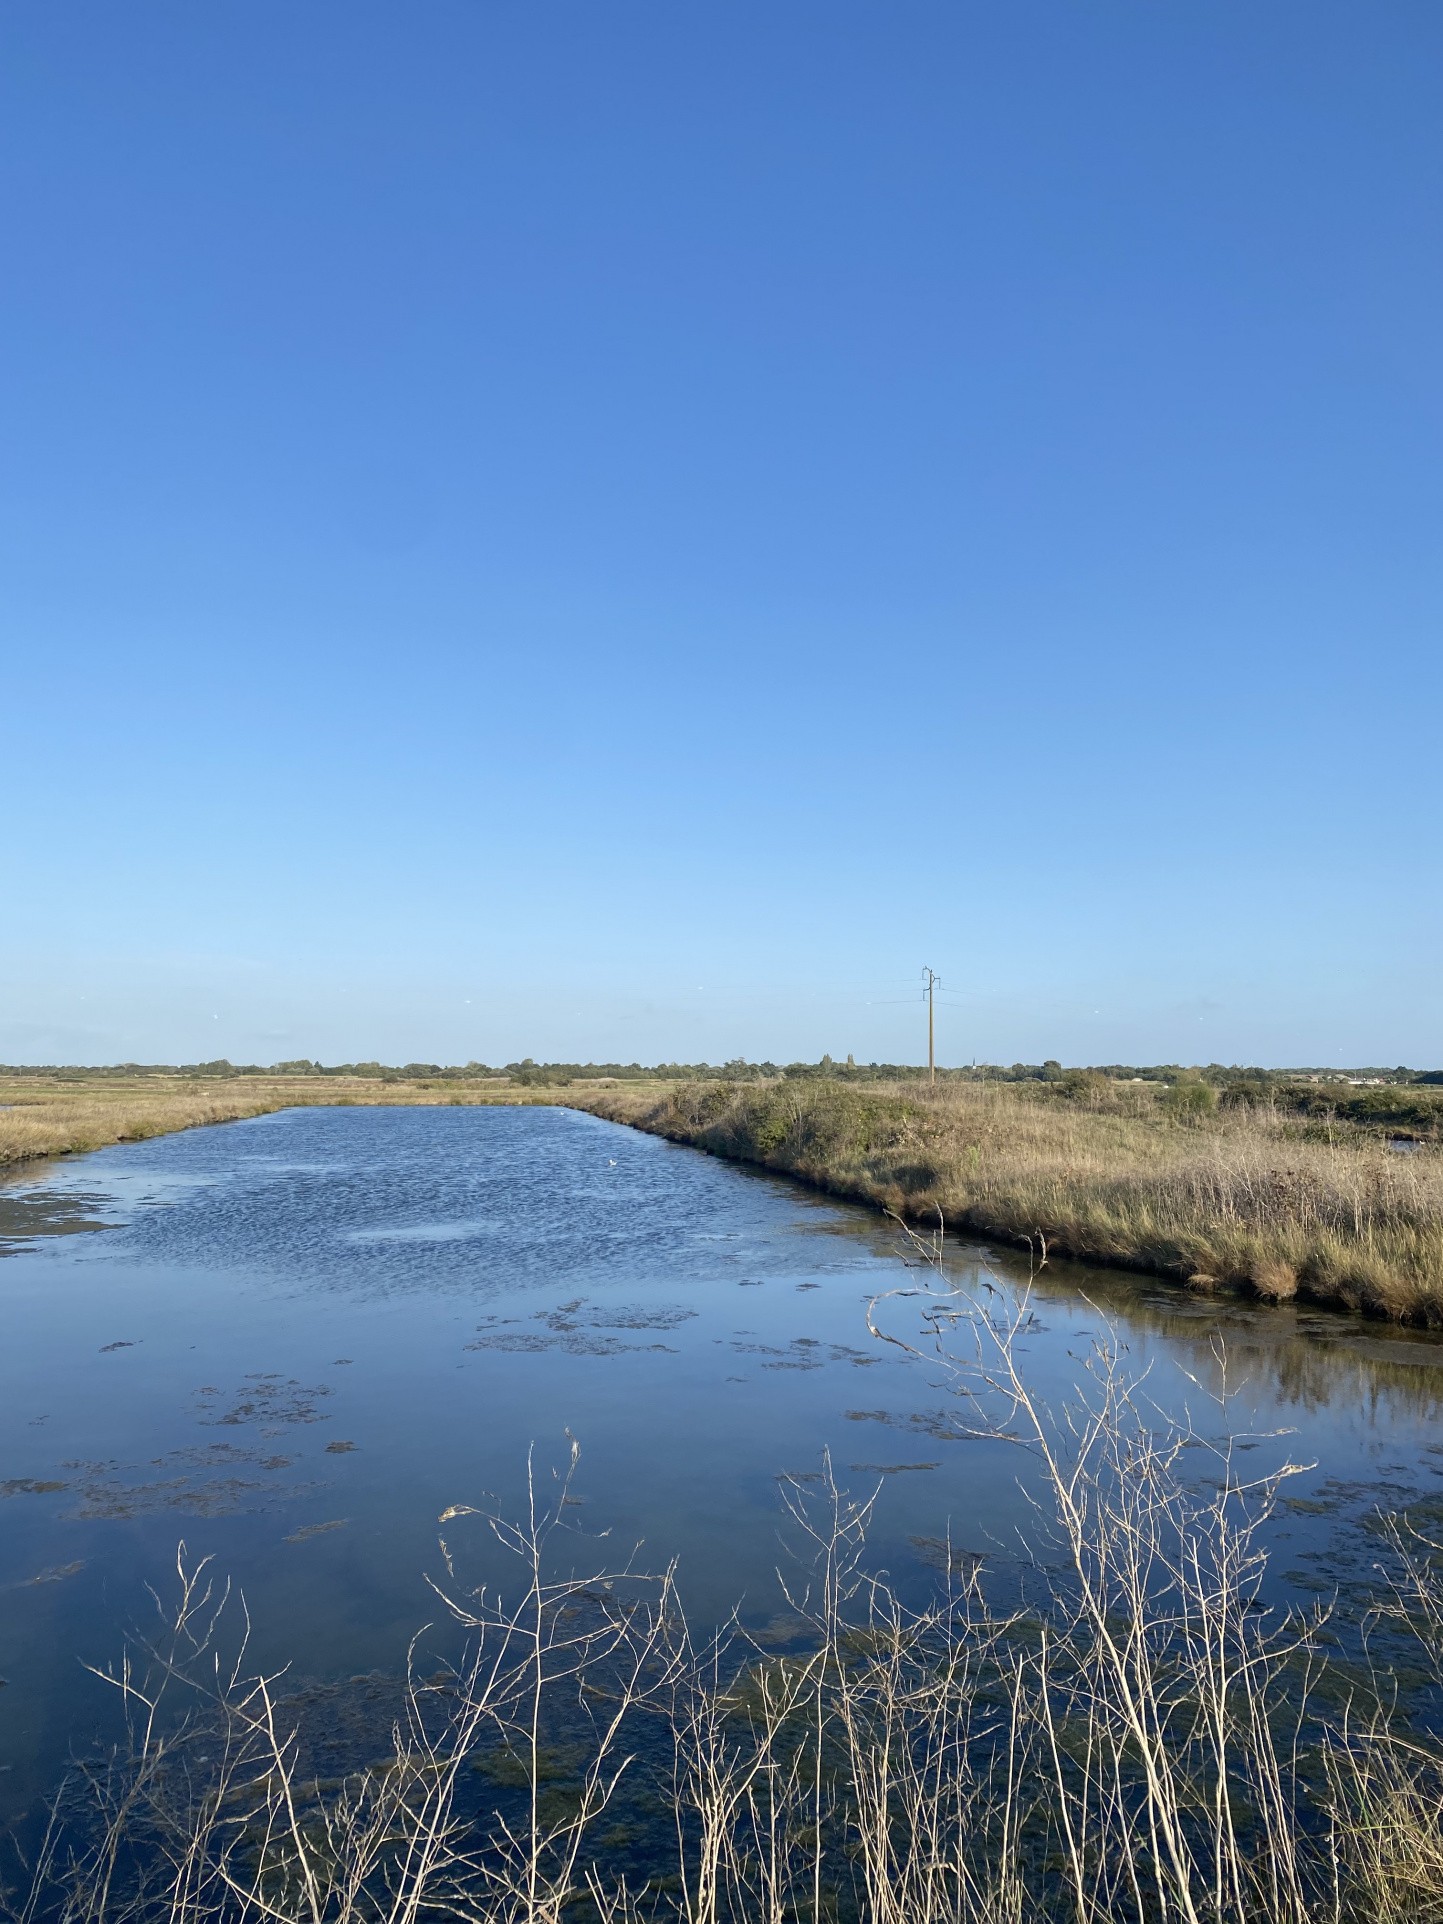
(294, 1342)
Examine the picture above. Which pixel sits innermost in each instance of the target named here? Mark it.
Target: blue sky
(627, 529)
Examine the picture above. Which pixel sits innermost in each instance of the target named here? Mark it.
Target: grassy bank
(43, 1116)
(1133, 1174)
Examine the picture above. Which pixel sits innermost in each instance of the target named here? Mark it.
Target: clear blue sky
(625, 529)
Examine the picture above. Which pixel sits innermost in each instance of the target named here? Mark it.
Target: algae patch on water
(275, 1402)
(939, 1553)
(934, 1423)
(802, 1353)
(309, 1530)
(203, 1480)
(579, 1328)
(56, 1573)
(891, 1469)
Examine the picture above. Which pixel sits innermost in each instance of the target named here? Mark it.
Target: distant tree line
(1315, 1089)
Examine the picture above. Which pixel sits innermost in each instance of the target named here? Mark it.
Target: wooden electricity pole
(932, 982)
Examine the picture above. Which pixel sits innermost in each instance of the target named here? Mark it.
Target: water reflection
(1307, 1358)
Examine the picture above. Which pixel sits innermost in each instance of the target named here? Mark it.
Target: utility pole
(932, 982)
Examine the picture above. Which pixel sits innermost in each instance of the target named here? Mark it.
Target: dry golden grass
(1247, 1197)
(44, 1121)
(46, 1117)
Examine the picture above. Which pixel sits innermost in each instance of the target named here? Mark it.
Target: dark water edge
(296, 1341)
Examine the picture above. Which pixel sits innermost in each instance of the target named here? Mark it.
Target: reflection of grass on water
(1310, 1358)
(1142, 1739)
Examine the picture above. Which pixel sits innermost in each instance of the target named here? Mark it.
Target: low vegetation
(65, 1113)
(39, 1119)
(1143, 1733)
(1179, 1179)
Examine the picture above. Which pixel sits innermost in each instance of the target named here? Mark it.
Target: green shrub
(1190, 1100)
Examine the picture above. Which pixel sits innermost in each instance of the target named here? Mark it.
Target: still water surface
(294, 1341)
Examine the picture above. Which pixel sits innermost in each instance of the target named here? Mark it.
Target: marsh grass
(40, 1120)
(1113, 1173)
(43, 1117)
(1140, 1737)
